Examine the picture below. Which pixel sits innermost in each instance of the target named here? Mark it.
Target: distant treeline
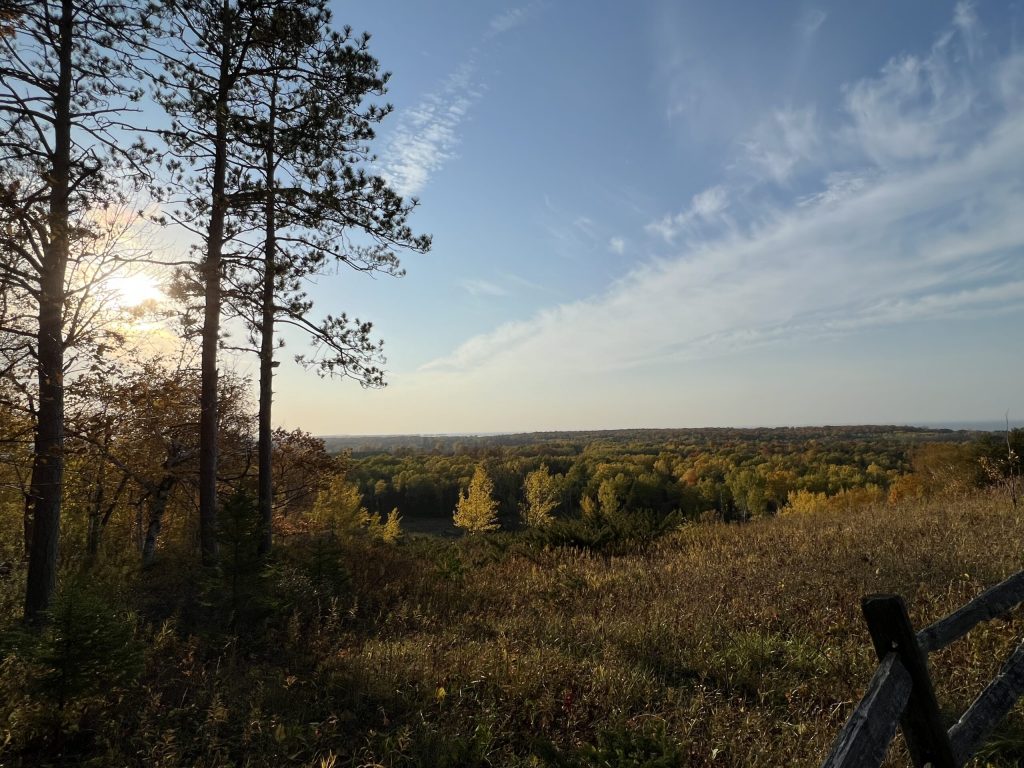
(725, 473)
(362, 445)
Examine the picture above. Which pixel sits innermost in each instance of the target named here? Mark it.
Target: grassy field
(719, 645)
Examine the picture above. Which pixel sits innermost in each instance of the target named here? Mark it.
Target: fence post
(891, 630)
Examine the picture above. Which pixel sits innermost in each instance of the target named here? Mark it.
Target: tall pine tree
(207, 55)
(66, 84)
(302, 140)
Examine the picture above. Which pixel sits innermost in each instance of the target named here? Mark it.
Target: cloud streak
(428, 134)
(478, 287)
(706, 208)
(890, 241)
(781, 143)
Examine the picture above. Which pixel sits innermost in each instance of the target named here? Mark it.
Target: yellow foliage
(339, 508)
(906, 487)
(391, 530)
(804, 502)
(541, 490)
(588, 508)
(477, 511)
(809, 502)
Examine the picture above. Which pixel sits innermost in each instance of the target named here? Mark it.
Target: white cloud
(893, 249)
(710, 203)
(508, 20)
(707, 207)
(427, 135)
(965, 19)
(920, 108)
(839, 185)
(781, 142)
(810, 21)
(477, 287)
(617, 245)
(882, 244)
(585, 225)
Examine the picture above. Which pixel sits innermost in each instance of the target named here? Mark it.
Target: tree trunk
(265, 447)
(48, 459)
(157, 506)
(208, 419)
(92, 539)
(28, 505)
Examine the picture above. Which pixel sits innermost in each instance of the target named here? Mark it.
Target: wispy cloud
(810, 21)
(508, 20)
(891, 241)
(781, 142)
(477, 287)
(617, 245)
(920, 107)
(965, 19)
(707, 207)
(839, 185)
(428, 135)
(900, 249)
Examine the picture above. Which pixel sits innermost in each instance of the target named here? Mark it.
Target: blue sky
(692, 214)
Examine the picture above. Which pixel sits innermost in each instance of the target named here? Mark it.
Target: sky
(668, 214)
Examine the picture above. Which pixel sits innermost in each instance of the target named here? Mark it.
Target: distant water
(973, 426)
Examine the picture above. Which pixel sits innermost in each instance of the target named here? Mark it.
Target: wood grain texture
(891, 630)
(865, 739)
(991, 603)
(991, 706)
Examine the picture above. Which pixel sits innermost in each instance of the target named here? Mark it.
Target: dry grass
(721, 645)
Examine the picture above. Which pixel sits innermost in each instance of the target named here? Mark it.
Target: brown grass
(732, 645)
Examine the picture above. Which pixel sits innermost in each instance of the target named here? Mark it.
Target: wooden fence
(901, 690)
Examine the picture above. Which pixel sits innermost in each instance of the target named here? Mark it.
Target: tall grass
(719, 645)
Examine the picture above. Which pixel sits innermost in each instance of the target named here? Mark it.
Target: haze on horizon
(675, 214)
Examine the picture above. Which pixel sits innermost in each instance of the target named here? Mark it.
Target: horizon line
(952, 425)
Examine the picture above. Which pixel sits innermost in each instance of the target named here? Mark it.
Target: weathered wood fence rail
(901, 691)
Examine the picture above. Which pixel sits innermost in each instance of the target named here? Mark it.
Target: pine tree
(66, 73)
(477, 511)
(301, 142)
(208, 55)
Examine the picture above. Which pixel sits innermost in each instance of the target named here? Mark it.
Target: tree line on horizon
(516, 481)
(246, 125)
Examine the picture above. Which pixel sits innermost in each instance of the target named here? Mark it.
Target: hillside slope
(721, 645)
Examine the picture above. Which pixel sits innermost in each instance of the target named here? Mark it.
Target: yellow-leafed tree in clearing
(339, 509)
(541, 490)
(477, 511)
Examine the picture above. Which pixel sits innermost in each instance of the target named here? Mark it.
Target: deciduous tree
(477, 511)
(541, 490)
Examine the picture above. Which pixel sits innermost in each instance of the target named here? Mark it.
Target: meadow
(718, 644)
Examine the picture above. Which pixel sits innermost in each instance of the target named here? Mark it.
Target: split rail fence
(901, 691)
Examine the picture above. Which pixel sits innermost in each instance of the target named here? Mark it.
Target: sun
(132, 291)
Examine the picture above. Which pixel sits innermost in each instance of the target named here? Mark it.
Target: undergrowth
(711, 645)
